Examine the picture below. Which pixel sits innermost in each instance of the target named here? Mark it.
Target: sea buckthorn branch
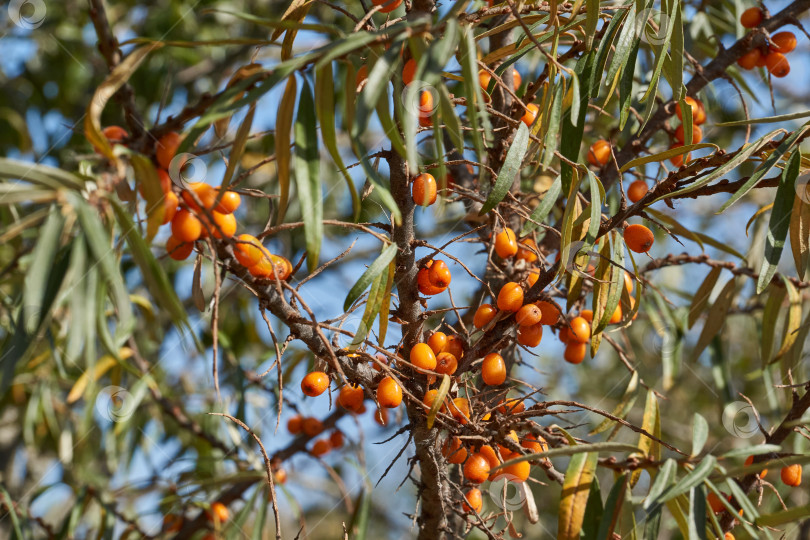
(799, 406)
(715, 69)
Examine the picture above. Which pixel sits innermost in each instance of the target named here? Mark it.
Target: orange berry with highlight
(229, 202)
(247, 250)
(693, 104)
(422, 356)
(425, 109)
(530, 115)
(752, 17)
(280, 476)
(166, 148)
(476, 469)
(517, 472)
(628, 282)
(218, 513)
(697, 134)
(484, 315)
(530, 336)
(439, 274)
(510, 297)
(506, 243)
(791, 475)
(446, 363)
(526, 250)
(751, 59)
(728, 536)
(599, 153)
(315, 383)
(423, 281)
(783, 42)
(777, 64)
(473, 501)
(637, 190)
(493, 369)
(529, 315)
(638, 238)
(575, 352)
(170, 202)
(224, 225)
(489, 454)
(423, 190)
(437, 342)
(580, 330)
(389, 393)
(460, 409)
(616, 317)
(186, 226)
(351, 397)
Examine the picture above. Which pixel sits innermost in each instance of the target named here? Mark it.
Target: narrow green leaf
(284, 121)
(373, 304)
(626, 86)
(663, 480)
(572, 131)
(697, 513)
(780, 221)
(307, 176)
(800, 229)
(625, 43)
(510, 170)
(700, 432)
(613, 507)
(651, 423)
(379, 264)
(766, 120)
(39, 272)
(770, 316)
(665, 155)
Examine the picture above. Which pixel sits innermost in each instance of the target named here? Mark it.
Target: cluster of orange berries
(479, 461)
(216, 515)
(773, 57)
(311, 427)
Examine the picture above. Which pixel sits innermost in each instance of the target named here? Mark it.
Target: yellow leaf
(104, 364)
(575, 491)
(284, 120)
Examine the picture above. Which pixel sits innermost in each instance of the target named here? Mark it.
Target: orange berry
(728, 536)
(473, 501)
(206, 193)
(510, 297)
(476, 469)
(580, 330)
(320, 448)
(224, 225)
(512, 406)
(484, 79)
(362, 75)
(679, 159)
(516, 79)
(423, 190)
(484, 315)
(389, 393)
(172, 523)
(455, 346)
(336, 439)
(783, 42)
(408, 71)
(166, 148)
(422, 356)
(446, 363)
(777, 64)
(550, 311)
(177, 249)
(530, 115)
(248, 250)
(186, 226)
(599, 153)
(280, 476)
(791, 475)
(529, 315)
(229, 202)
(489, 454)
(637, 190)
(437, 342)
(616, 318)
(116, 134)
(493, 369)
(439, 274)
(565, 335)
(170, 202)
(527, 253)
(534, 444)
(381, 417)
(506, 243)
(382, 360)
(387, 5)
(460, 409)
(314, 383)
(752, 17)
(575, 352)
(425, 109)
(351, 397)
(715, 503)
(517, 472)
(638, 238)
(454, 451)
(701, 116)
(750, 59)
(534, 275)
(530, 336)
(218, 513)
(750, 461)
(693, 104)
(311, 427)
(294, 424)
(628, 282)
(430, 398)
(697, 134)
(423, 281)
